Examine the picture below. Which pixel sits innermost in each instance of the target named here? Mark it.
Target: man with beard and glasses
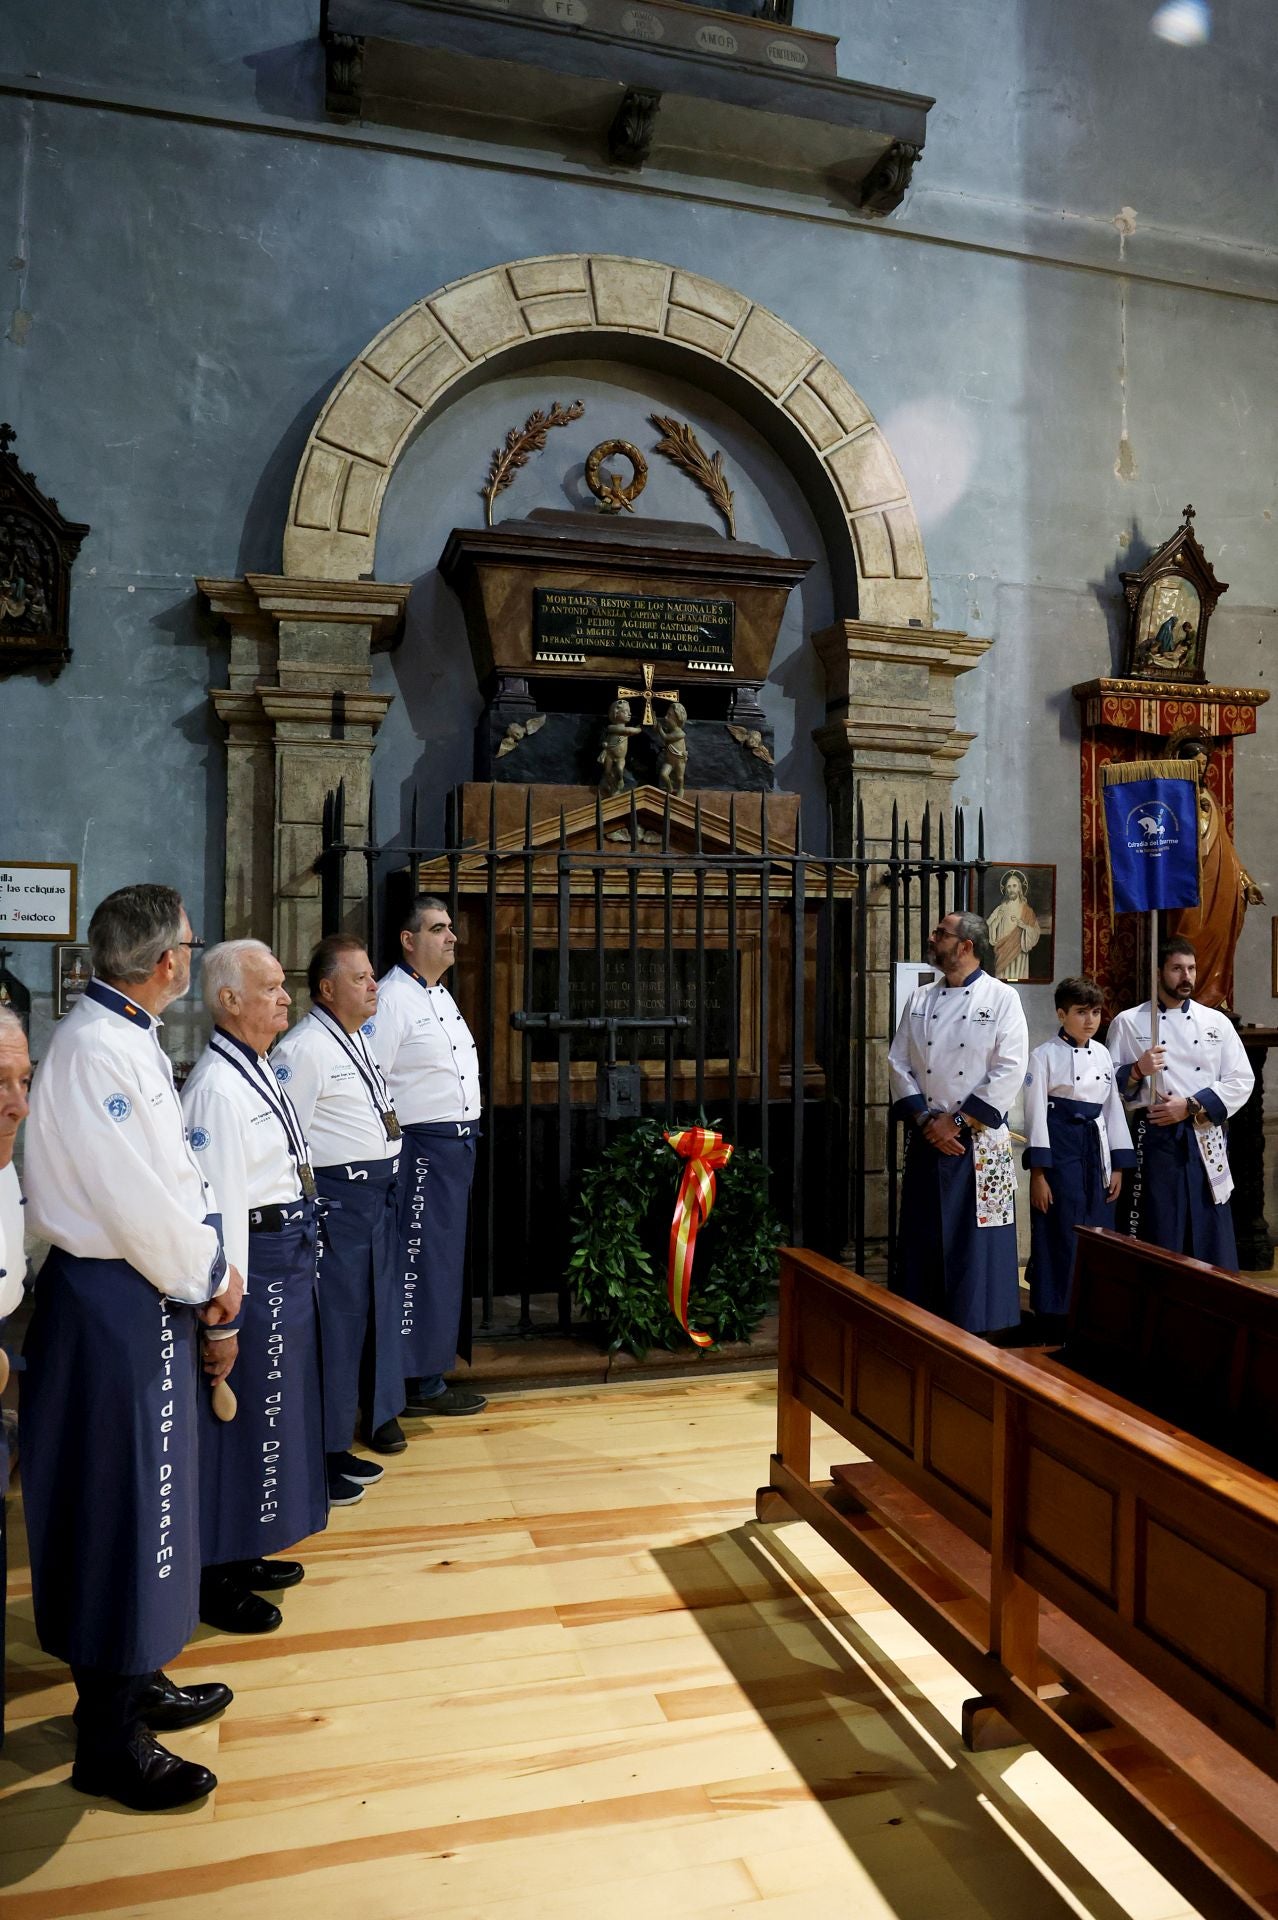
(956, 1064)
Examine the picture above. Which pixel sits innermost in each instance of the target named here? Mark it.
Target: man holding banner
(1178, 1094)
(1181, 1067)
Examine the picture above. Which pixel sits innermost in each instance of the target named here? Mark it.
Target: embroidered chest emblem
(983, 1016)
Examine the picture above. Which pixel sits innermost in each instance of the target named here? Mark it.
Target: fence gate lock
(620, 1092)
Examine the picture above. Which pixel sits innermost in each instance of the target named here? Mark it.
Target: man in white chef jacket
(262, 1477)
(432, 1068)
(109, 1451)
(15, 1084)
(336, 1086)
(1179, 1093)
(956, 1064)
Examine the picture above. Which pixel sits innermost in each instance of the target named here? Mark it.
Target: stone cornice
(940, 649)
(376, 604)
(301, 705)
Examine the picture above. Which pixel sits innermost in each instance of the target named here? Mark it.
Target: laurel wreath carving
(520, 443)
(682, 446)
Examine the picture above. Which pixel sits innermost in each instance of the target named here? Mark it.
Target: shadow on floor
(874, 1751)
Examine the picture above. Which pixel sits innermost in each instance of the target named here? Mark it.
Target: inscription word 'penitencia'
(695, 633)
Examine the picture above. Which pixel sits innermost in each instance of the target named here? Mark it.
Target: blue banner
(1152, 829)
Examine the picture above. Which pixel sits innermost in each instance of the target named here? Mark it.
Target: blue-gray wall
(1067, 333)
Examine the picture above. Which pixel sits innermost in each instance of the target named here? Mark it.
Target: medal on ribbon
(702, 1153)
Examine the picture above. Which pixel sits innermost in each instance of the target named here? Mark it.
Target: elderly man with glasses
(110, 1465)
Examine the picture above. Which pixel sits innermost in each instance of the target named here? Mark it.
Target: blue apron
(109, 1466)
(437, 1168)
(1077, 1180)
(1177, 1210)
(358, 1304)
(944, 1261)
(263, 1485)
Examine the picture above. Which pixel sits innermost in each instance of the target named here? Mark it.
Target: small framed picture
(1018, 900)
(71, 975)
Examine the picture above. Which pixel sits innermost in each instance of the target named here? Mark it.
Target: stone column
(891, 738)
(300, 718)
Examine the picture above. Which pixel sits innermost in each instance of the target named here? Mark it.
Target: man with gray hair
(15, 1083)
(955, 1066)
(262, 1479)
(110, 1467)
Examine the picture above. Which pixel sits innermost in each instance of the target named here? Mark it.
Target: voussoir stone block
(368, 417)
(707, 297)
(480, 314)
(770, 352)
(438, 367)
(560, 314)
(711, 335)
(866, 473)
(402, 342)
(322, 476)
(629, 293)
(562, 273)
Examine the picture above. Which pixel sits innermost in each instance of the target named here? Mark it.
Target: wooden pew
(1193, 1344)
(1108, 1584)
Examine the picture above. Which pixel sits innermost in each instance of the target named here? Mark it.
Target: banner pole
(1153, 993)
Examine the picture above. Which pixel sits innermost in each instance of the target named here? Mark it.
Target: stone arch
(530, 312)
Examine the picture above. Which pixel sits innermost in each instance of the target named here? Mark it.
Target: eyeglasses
(194, 945)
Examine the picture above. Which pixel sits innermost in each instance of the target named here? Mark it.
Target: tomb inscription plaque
(569, 626)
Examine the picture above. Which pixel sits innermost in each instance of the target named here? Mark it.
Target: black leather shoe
(233, 1609)
(271, 1574)
(452, 1400)
(164, 1706)
(143, 1775)
(388, 1438)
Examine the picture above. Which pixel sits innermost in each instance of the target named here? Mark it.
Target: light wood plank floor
(552, 1667)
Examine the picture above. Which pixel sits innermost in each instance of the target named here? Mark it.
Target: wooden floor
(551, 1667)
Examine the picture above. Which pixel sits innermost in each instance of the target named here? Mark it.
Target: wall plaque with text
(568, 628)
(37, 902)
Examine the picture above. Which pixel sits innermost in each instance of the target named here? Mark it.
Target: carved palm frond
(522, 441)
(682, 446)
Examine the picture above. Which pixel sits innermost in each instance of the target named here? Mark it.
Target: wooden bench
(1107, 1583)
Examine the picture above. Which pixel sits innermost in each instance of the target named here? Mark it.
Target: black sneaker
(388, 1438)
(343, 1492)
(453, 1400)
(350, 1464)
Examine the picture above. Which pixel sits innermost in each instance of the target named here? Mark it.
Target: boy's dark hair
(1078, 991)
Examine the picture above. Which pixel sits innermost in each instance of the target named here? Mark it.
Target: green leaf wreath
(620, 1234)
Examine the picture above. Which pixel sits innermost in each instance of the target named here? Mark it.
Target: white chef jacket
(107, 1168)
(336, 1089)
(960, 1048)
(240, 1139)
(425, 1050)
(1206, 1060)
(1060, 1070)
(13, 1253)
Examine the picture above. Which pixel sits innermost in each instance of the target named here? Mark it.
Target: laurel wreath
(620, 1234)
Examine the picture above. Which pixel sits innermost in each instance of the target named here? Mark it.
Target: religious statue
(1226, 892)
(616, 742)
(1014, 928)
(673, 766)
(752, 740)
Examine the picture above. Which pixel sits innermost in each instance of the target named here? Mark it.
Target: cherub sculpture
(616, 742)
(752, 740)
(672, 768)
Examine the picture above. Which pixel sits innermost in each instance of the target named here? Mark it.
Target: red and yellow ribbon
(702, 1152)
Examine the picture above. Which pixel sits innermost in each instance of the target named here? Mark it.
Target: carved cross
(648, 693)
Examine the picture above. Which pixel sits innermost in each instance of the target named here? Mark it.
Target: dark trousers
(106, 1714)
